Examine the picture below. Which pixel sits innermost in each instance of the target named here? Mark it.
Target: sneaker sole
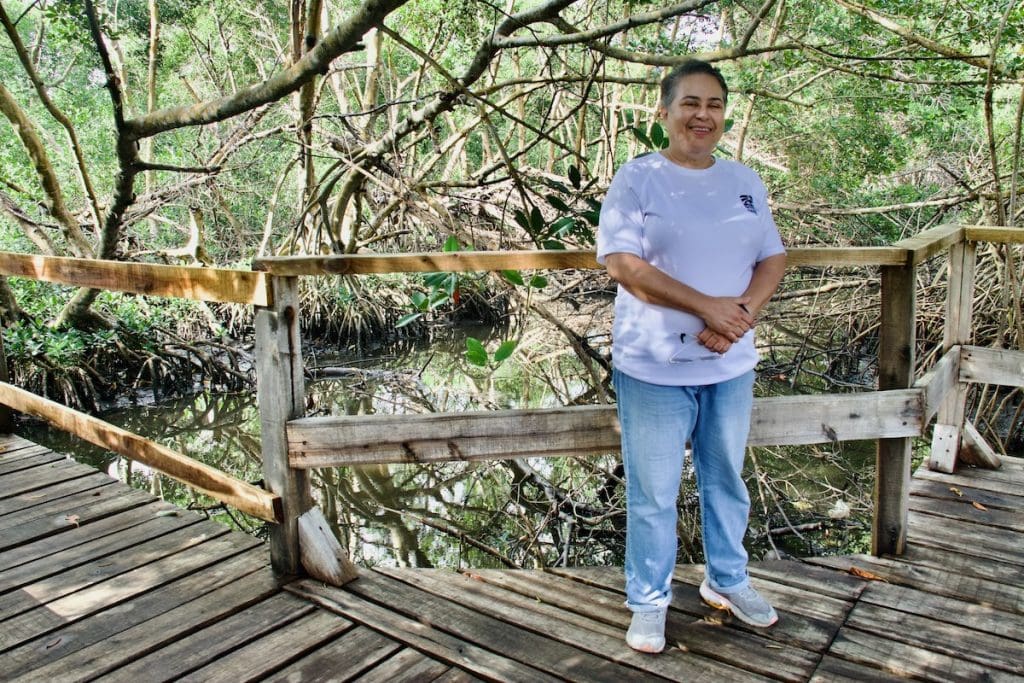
(646, 649)
(719, 601)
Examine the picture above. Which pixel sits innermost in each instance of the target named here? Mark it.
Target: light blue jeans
(656, 423)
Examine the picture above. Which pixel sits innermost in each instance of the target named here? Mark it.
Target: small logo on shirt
(748, 202)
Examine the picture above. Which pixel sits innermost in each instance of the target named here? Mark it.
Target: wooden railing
(291, 444)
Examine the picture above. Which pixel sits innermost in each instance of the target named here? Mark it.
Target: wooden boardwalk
(98, 581)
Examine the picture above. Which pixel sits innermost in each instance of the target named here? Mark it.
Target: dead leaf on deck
(979, 506)
(865, 574)
(72, 519)
(957, 491)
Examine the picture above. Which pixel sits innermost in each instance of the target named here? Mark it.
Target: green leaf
(641, 135)
(556, 201)
(563, 226)
(538, 282)
(505, 350)
(729, 124)
(593, 217)
(658, 135)
(451, 244)
(513, 276)
(406, 319)
(435, 280)
(439, 298)
(574, 176)
(536, 220)
(553, 244)
(475, 352)
(419, 300)
(522, 220)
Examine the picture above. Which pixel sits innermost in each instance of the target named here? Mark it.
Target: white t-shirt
(706, 228)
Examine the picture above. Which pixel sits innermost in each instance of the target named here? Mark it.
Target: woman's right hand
(727, 316)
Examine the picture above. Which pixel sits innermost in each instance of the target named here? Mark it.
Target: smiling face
(694, 120)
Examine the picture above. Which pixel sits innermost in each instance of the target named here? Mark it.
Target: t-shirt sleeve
(771, 244)
(620, 229)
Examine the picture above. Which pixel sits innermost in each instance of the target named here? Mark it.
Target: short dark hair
(688, 68)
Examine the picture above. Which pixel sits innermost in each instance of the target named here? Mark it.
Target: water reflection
(522, 513)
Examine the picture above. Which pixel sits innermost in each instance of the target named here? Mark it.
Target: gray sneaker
(747, 605)
(647, 631)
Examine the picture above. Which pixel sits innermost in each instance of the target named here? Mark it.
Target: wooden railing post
(281, 396)
(6, 416)
(949, 423)
(895, 371)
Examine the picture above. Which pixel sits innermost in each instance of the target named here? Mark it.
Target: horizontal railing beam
(214, 285)
(209, 480)
(475, 261)
(997, 235)
(981, 365)
(930, 243)
(585, 430)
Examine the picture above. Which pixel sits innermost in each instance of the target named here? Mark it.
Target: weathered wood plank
(92, 551)
(981, 365)
(322, 556)
(836, 670)
(57, 585)
(967, 614)
(87, 489)
(183, 282)
(13, 442)
(932, 242)
(975, 478)
(938, 382)
(110, 637)
(273, 650)
(582, 430)
(816, 580)
(965, 565)
(951, 534)
(967, 495)
(785, 651)
(418, 634)
(202, 646)
(29, 451)
(87, 507)
(408, 666)
(55, 614)
(209, 480)
(896, 344)
(513, 641)
(935, 580)
(907, 660)
(280, 393)
(561, 619)
(345, 657)
(476, 261)
(39, 477)
(34, 460)
(985, 233)
(75, 536)
(48, 494)
(966, 510)
(989, 651)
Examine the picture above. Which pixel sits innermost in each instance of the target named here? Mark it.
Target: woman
(692, 244)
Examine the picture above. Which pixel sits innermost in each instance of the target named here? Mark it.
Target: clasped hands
(727, 320)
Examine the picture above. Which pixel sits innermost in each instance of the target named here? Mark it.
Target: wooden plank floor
(98, 581)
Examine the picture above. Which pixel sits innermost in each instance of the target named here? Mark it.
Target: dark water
(536, 512)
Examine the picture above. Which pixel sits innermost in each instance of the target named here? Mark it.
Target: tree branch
(342, 39)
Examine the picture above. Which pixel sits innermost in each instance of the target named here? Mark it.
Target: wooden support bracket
(974, 450)
(322, 556)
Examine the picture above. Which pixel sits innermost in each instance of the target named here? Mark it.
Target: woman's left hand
(714, 341)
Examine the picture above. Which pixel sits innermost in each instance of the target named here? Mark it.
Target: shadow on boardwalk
(100, 581)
